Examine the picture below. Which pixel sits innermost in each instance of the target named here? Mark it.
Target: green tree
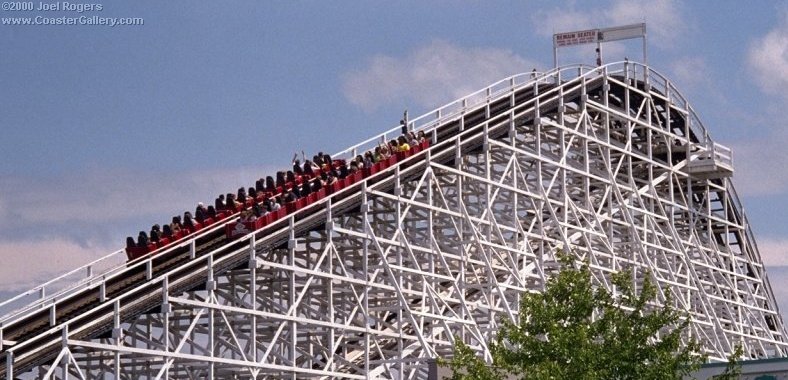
(733, 369)
(574, 330)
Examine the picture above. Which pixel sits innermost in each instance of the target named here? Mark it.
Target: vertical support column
(253, 292)
(462, 116)
(102, 291)
(148, 362)
(460, 233)
(645, 55)
(291, 245)
(688, 150)
(487, 168)
(562, 158)
(210, 286)
(628, 153)
(400, 319)
(515, 176)
(330, 290)
(650, 147)
(52, 314)
(607, 160)
(430, 233)
(540, 179)
(332, 248)
(512, 129)
(117, 333)
(512, 98)
(329, 221)
(9, 364)
(606, 103)
(586, 159)
(626, 72)
(165, 311)
(365, 269)
(65, 360)
(487, 107)
(488, 190)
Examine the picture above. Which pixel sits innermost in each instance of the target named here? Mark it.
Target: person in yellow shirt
(403, 144)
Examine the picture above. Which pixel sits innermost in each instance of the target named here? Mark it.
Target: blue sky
(106, 130)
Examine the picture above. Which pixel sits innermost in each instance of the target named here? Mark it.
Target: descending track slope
(374, 281)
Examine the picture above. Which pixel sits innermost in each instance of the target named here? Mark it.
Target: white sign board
(622, 32)
(575, 38)
(598, 36)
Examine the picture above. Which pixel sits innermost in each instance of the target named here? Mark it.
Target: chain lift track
(610, 164)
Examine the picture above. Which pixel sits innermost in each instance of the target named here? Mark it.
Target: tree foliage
(574, 330)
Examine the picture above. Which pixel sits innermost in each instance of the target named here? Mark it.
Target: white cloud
(563, 19)
(774, 251)
(27, 264)
(439, 72)
(768, 62)
(431, 75)
(664, 19)
(101, 196)
(685, 71)
(778, 279)
(768, 56)
(3, 210)
(751, 176)
(37, 216)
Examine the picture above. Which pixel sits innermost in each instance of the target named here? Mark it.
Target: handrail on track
(88, 269)
(427, 122)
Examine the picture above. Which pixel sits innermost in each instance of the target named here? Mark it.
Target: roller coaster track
(654, 127)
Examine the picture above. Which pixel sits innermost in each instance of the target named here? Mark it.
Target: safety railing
(722, 154)
(85, 274)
